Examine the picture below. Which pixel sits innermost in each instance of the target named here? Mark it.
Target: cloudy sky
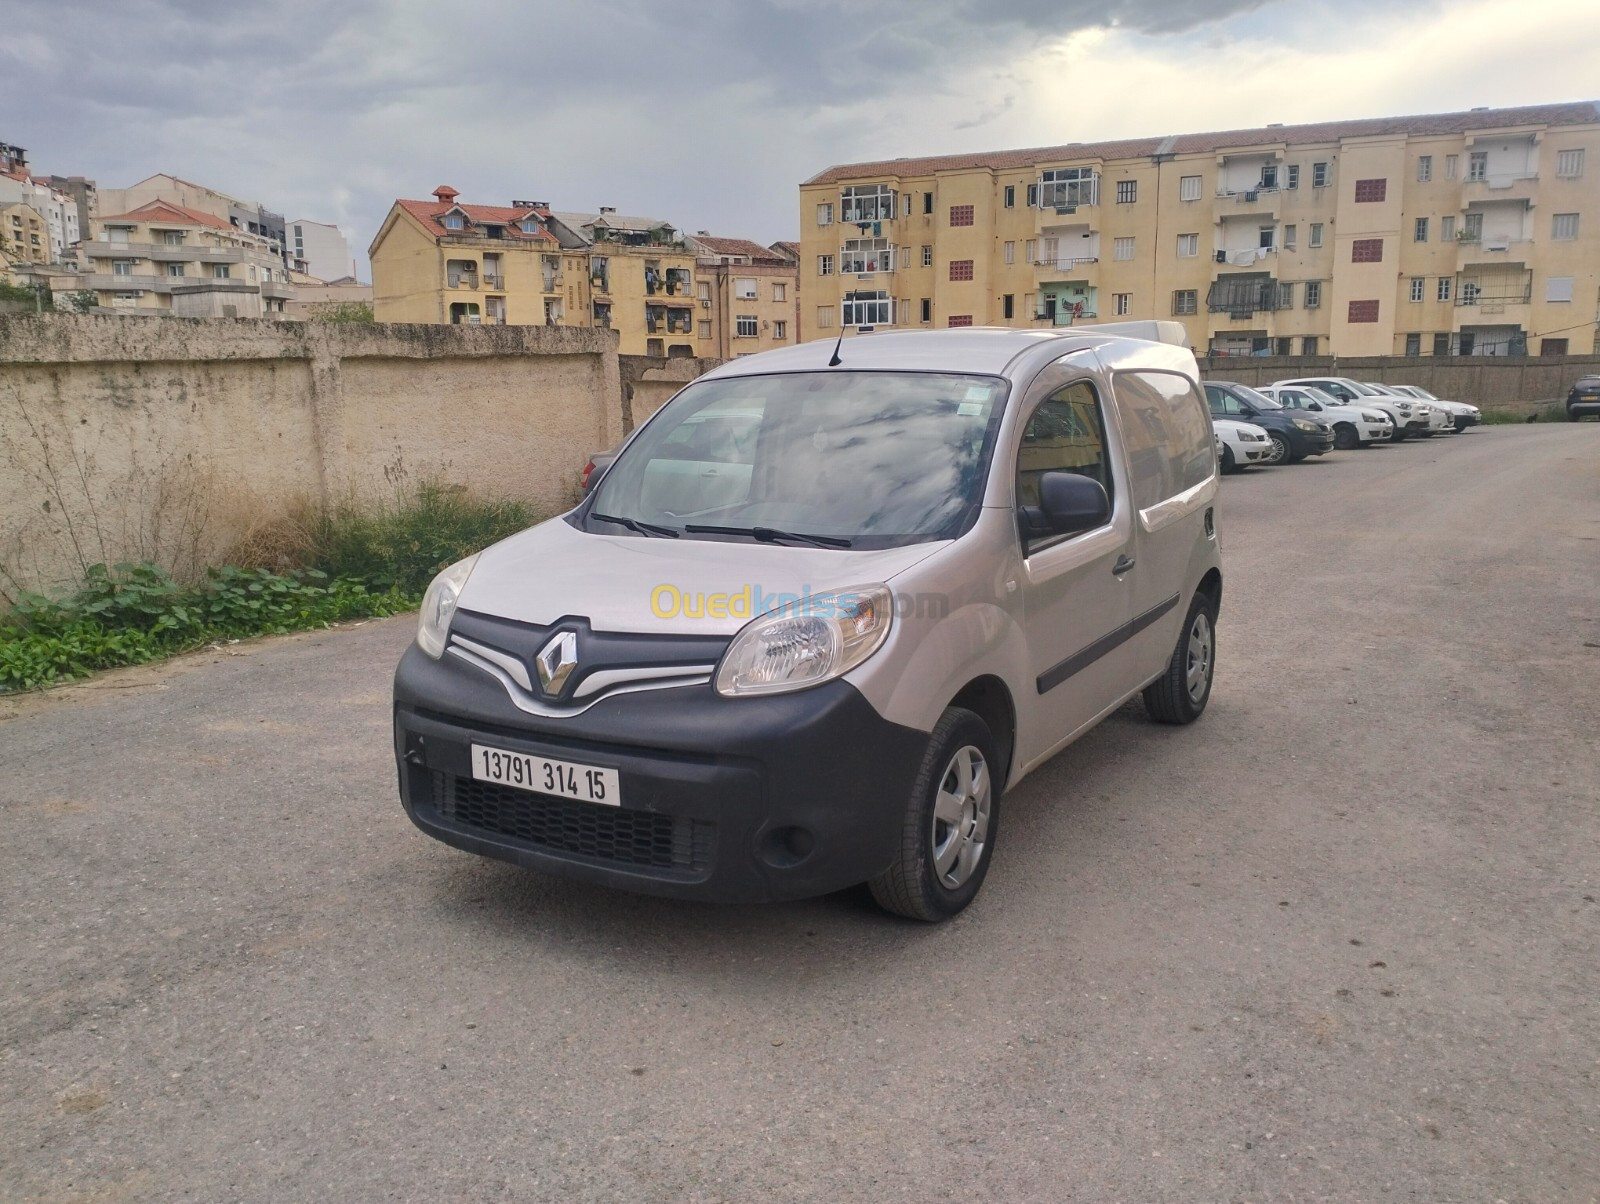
(709, 113)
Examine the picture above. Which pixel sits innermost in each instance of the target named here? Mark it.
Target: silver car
(824, 609)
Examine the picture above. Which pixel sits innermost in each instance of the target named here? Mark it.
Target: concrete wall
(167, 441)
(1518, 385)
(649, 381)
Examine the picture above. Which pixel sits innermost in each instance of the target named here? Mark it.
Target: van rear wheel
(1180, 694)
(951, 820)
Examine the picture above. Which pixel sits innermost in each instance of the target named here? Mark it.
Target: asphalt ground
(1337, 941)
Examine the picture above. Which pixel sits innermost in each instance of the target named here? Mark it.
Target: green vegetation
(334, 565)
(1548, 411)
(29, 294)
(343, 311)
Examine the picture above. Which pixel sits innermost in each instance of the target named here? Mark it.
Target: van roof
(982, 349)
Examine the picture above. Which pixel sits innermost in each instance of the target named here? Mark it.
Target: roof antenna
(834, 362)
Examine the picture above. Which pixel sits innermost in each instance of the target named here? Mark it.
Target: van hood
(629, 583)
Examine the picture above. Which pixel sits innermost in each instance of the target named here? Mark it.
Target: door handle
(1124, 563)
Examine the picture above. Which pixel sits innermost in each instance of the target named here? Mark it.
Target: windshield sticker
(978, 392)
(970, 409)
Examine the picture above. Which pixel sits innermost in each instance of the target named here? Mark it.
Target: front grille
(643, 839)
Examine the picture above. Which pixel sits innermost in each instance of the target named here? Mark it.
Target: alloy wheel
(1197, 671)
(961, 817)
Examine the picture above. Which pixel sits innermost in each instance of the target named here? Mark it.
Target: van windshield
(845, 459)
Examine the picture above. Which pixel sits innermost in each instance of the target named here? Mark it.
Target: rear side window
(1067, 433)
(1221, 401)
(1167, 429)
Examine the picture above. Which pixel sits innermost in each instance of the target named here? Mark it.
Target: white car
(1440, 420)
(1241, 444)
(1409, 415)
(1465, 415)
(1353, 425)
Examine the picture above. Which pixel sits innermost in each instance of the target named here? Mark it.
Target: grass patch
(312, 568)
(1547, 411)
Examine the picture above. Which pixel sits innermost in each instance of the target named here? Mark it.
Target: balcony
(1497, 250)
(164, 252)
(493, 281)
(1066, 195)
(1498, 186)
(463, 281)
(277, 289)
(1243, 296)
(1252, 202)
(111, 282)
(1502, 294)
(1049, 269)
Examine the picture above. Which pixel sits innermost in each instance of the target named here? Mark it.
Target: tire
(1461, 425)
(1228, 464)
(1572, 415)
(1280, 441)
(1345, 437)
(1180, 694)
(953, 815)
(1400, 435)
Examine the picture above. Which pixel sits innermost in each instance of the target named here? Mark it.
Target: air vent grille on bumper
(607, 834)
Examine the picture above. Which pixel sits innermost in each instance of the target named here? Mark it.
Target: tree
(343, 311)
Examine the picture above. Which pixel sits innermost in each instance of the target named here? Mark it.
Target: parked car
(1296, 435)
(1462, 414)
(1583, 398)
(1353, 426)
(1440, 420)
(820, 653)
(1241, 444)
(1409, 415)
(595, 468)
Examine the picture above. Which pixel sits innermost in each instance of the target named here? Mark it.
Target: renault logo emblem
(556, 661)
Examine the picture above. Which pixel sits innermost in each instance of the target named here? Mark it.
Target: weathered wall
(649, 381)
(1518, 385)
(165, 440)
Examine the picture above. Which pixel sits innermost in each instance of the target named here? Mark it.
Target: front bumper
(1375, 432)
(1311, 443)
(729, 800)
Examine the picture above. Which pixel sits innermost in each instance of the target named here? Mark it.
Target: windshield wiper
(770, 535)
(634, 524)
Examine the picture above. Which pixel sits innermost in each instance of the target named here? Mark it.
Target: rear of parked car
(1583, 399)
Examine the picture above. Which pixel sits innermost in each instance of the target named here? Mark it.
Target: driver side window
(1066, 433)
(1222, 402)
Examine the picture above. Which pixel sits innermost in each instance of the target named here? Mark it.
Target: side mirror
(1070, 503)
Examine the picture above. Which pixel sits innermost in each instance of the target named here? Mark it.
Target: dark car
(1295, 434)
(1584, 398)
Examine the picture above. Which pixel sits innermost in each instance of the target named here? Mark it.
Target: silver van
(825, 607)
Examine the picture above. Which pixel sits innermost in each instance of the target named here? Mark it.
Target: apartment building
(246, 216)
(528, 265)
(24, 234)
(1444, 234)
(58, 211)
(748, 295)
(318, 249)
(164, 258)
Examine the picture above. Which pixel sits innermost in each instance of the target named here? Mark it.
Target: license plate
(565, 779)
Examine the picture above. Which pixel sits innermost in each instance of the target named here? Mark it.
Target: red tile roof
(429, 213)
(753, 251)
(1577, 113)
(166, 211)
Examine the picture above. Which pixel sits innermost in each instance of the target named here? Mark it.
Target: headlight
(1253, 438)
(1304, 425)
(807, 643)
(1374, 417)
(439, 606)
(1403, 406)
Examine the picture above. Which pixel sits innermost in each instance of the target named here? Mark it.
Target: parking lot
(1339, 940)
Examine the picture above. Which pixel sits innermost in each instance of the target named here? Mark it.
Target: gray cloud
(707, 114)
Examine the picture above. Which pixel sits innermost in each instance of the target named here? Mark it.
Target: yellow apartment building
(1447, 234)
(527, 265)
(165, 258)
(24, 235)
(747, 295)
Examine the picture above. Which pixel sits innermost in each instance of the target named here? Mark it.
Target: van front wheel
(1180, 694)
(951, 820)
